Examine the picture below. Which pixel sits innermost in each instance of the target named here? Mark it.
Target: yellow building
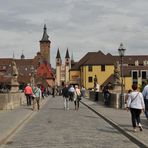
(135, 70)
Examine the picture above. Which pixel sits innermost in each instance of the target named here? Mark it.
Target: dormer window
(144, 62)
(136, 63)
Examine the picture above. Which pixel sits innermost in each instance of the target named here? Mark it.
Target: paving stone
(53, 127)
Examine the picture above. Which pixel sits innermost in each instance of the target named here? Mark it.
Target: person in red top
(28, 92)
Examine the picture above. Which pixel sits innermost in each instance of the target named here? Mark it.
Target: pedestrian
(65, 94)
(77, 97)
(126, 97)
(136, 104)
(37, 95)
(145, 95)
(43, 91)
(53, 91)
(71, 91)
(97, 88)
(83, 91)
(28, 93)
(107, 96)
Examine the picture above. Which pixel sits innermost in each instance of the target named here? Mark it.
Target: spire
(22, 56)
(67, 54)
(13, 55)
(58, 54)
(45, 35)
(72, 59)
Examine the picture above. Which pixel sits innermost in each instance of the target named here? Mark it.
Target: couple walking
(33, 94)
(72, 94)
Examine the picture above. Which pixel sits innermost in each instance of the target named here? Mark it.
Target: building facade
(37, 68)
(62, 69)
(135, 69)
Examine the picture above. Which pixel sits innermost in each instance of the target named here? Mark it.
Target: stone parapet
(11, 100)
(115, 100)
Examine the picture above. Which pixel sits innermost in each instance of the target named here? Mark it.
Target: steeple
(45, 35)
(13, 55)
(58, 54)
(67, 54)
(72, 60)
(22, 56)
(72, 57)
(45, 46)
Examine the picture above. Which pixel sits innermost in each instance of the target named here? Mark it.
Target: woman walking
(77, 97)
(136, 104)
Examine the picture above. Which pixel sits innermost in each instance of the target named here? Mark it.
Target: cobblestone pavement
(122, 118)
(54, 127)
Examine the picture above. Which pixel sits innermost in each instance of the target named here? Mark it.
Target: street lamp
(121, 51)
(32, 75)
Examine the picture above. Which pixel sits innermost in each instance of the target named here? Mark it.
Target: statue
(95, 81)
(14, 72)
(14, 82)
(117, 73)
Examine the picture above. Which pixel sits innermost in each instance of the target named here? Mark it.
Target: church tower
(67, 66)
(58, 68)
(45, 46)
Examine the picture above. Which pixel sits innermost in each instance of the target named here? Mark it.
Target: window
(90, 79)
(89, 68)
(143, 76)
(102, 67)
(135, 76)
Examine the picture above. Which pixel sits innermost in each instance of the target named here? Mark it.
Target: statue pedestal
(116, 88)
(14, 86)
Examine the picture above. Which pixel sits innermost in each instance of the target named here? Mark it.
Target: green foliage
(141, 87)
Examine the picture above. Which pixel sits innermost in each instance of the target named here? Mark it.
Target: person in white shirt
(136, 104)
(97, 88)
(77, 97)
(71, 91)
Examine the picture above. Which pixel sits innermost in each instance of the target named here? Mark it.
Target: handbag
(33, 95)
(79, 97)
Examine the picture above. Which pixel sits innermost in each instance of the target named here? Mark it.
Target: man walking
(71, 91)
(97, 88)
(145, 96)
(37, 96)
(65, 94)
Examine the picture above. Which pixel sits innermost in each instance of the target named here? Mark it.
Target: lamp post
(32, 76)
(121, 51)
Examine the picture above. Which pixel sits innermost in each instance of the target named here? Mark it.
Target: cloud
(80, 25)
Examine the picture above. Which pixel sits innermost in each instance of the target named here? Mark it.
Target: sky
(80, 25)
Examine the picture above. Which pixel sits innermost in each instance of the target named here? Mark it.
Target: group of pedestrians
(71, 94)
(137, 102)
(33, 95)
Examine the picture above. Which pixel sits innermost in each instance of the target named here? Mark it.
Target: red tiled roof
(99, 58)
(127, 69)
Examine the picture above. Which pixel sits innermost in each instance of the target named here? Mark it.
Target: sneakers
(140, 127)
(134, 130)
